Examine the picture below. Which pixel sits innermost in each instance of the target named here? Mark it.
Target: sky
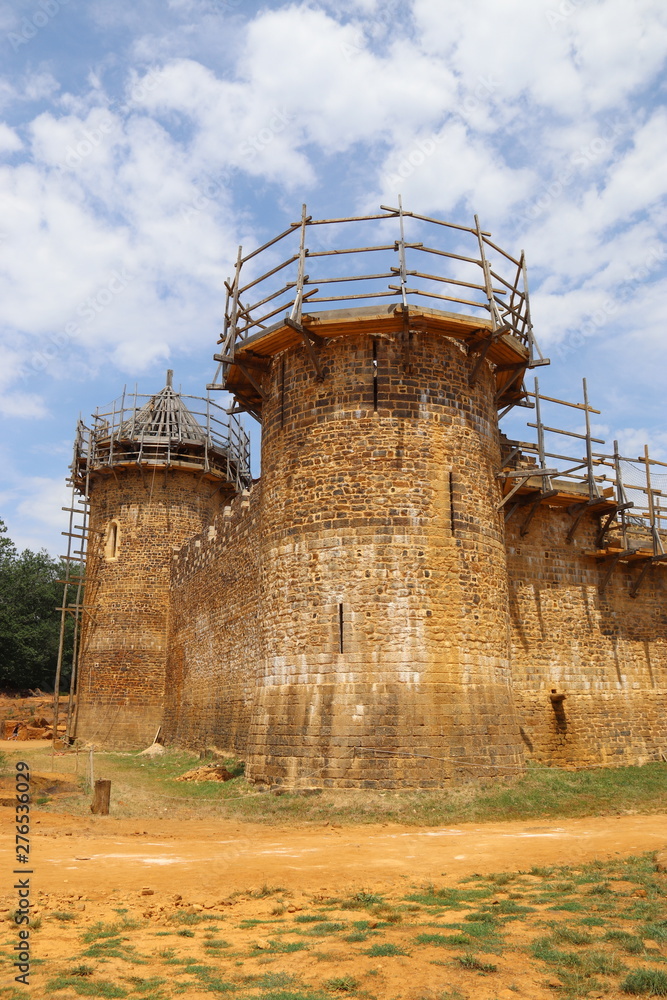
(141, 142)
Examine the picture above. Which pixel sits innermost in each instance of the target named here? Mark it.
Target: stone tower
(383, 565)
(155, 470)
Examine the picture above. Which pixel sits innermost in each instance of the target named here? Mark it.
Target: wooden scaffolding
(417, 268)
(627, 495)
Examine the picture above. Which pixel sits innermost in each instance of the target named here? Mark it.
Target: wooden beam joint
(311, 340)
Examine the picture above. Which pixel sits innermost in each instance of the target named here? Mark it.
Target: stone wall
(605, 650)
(384, 582)
(214, 645)
(121, 686)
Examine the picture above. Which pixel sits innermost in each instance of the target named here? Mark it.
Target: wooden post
(100, 806)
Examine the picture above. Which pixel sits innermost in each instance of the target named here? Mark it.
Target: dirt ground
(203, 859)
(248, 879)
(138, 904)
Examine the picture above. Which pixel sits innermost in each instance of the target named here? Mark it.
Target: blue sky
(141, 142)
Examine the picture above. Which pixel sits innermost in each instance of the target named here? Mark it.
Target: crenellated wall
(214, 644)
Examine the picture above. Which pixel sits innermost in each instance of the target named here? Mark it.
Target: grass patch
(181, 917)
(443, 941)
(328, 927)
(656, 931)
(569, 906)
(571, 935)
(146, 987)
(470, 961)
(628, 942)
(100, 930)
(63, 915)
(146, 787)
(385, 950)
(280, 947)
(361, 901)
(647, 982)
(84, 988)
(450, 899)
(342, 984)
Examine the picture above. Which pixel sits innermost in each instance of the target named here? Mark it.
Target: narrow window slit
(375, 374)
(340, 628)
(451, 502)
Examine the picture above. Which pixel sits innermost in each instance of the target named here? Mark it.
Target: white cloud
(210, 121)
(10, 142)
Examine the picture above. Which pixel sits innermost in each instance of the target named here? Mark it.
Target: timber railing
(412, 259)
(184, 431)
(628, 493)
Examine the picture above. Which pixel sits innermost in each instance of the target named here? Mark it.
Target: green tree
(29, 619)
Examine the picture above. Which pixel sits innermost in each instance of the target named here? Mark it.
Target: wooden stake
(100, 806)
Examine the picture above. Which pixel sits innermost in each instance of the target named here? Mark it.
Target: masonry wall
(385, 611)
(121, 687)
(605, 650)
(214, 646)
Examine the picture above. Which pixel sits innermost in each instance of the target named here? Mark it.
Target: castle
(406, 597)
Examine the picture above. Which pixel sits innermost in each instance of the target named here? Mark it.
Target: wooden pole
(102, 795)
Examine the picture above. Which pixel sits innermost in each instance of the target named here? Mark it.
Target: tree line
(29, 620)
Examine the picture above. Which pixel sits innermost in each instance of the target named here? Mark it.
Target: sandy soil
(150, 871)
(100, 867)
(217, 858)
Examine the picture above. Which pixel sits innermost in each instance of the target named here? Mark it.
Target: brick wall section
(357, 518)
(605, 650)
(124, 642)
(214, 637)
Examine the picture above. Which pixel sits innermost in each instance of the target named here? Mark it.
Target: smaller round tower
(155, 470)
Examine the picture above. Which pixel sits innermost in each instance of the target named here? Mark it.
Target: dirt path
(101, 853)
(156, 874)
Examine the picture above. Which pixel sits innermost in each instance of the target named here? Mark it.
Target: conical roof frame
(164, 419)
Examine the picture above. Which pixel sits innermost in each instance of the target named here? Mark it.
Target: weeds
(342, 984)
(181, 917)
(442, 941)
(385, 950)
(650, 982)
(628, 942)
(469, 961)
(101, 988)
(280, 947)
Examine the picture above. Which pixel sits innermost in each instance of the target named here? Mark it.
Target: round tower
(155, 470)
(384, 577)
